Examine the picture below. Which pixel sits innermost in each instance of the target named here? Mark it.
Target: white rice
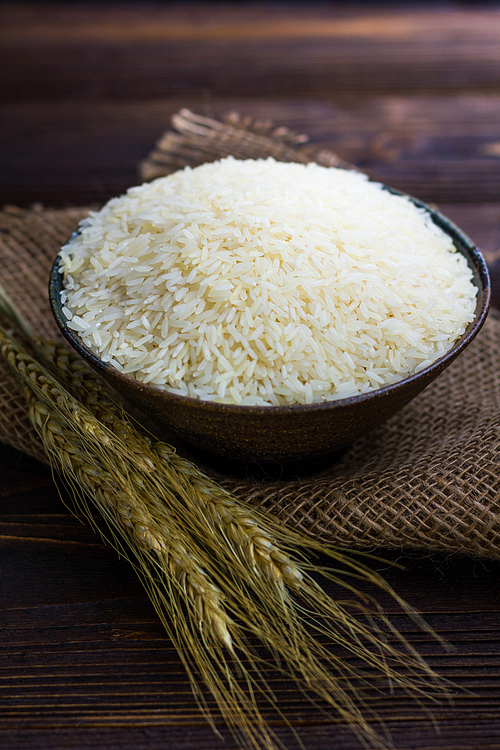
(262, 282)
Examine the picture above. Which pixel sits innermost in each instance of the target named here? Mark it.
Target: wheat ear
(79, 443)
(255, 539)
(116, 502)
(243, 528)
(84, 450)
(245, 531)
(278, 621)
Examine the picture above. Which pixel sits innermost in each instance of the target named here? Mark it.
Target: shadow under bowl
(282, 433)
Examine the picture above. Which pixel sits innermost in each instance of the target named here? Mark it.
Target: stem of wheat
(189, 503)
(243, 530)
(82, 448)
(248, 535)
(97, 466)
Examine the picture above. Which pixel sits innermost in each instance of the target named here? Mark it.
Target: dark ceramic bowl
(282, 433)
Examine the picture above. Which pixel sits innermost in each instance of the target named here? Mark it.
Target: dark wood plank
(184, 49)
(440, 149)
(467, 735)
(481, 222)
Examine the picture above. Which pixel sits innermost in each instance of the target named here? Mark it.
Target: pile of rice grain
(262, 282)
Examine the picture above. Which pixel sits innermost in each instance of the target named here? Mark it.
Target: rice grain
(262, 282)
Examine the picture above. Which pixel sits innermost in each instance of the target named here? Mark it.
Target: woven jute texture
(428, 479)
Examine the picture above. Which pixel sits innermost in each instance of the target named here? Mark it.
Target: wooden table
(409, 94)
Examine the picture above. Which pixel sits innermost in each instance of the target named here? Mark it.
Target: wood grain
(439, 149)
(160, 52)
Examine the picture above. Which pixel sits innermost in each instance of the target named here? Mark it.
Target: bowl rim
(475, 261)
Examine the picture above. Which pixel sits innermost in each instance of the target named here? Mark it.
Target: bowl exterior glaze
(283, 433)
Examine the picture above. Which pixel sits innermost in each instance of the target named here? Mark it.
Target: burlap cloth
(427, 479)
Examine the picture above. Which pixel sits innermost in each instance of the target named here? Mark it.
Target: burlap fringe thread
(428, 479)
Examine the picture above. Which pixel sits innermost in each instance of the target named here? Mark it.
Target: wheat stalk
(98, 467)
(163, 495)
(249, 535)
(119, 503)
(84, 450)
(242, 527)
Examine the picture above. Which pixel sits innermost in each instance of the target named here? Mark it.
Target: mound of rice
(261, 282)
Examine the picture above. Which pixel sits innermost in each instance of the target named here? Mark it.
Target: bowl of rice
(268, 310)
